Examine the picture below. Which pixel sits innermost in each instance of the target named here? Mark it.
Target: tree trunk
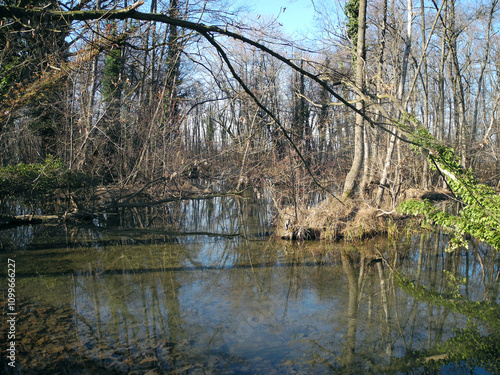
(401, 87)
(172, 76)
(357, 161)
(483, 68)
(458, 89)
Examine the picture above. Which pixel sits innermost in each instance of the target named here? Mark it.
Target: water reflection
(146, 301)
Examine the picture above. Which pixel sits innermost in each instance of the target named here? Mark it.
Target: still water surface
(199, 288)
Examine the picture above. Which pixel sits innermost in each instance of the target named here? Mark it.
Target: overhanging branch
(206, 31)
(130, 13)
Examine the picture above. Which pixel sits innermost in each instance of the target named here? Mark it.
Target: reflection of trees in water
(217, 215)
(458, 292)
(131, 322)
(384, 322)
(442, 281)
(213, 303)
(352, 310)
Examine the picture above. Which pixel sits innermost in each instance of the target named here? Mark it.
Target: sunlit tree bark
(351, 177)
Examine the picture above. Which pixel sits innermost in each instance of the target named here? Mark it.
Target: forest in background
(117, 106)
(147, 94)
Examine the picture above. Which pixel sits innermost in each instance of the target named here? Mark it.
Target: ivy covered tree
(30, 62)
(352, 13)
(358, 9)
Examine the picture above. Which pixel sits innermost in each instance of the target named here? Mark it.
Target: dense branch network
(204, 30)
(389, 107)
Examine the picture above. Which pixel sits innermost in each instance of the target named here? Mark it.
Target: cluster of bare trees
(132, 95)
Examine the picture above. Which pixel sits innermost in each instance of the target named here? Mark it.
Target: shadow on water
(137, 299)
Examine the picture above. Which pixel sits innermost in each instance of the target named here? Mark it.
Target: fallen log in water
(17, 220)
(85, 215)
(7, 220)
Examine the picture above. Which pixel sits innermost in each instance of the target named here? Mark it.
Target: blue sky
(296, 16)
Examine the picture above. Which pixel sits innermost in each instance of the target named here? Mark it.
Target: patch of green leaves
(479, 215)
(352, 13)
(31, 180)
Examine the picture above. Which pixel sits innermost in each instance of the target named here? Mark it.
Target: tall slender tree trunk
(483, 68)
(300, 120)
(173, 73)
(401, 87)
(380, 72)
(458, 89)
(366, 165)
(322, 124)
(440, 131)
(357, 161)
(425, 84)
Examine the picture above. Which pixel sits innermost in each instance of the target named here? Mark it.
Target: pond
(200, 288)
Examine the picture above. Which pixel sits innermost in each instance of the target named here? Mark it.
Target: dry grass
(330, 220)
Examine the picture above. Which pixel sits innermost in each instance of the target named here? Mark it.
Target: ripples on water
(198, 287)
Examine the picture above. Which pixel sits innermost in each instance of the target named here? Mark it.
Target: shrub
(42, 179)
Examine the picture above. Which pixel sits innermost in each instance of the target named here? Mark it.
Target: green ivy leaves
(479, 214)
